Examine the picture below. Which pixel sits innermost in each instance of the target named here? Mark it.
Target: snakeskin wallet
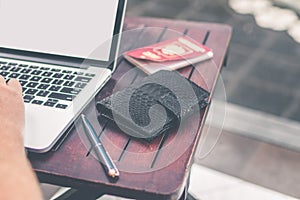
(153, 106)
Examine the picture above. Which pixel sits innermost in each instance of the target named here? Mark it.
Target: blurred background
(263, 72)
(260, 140)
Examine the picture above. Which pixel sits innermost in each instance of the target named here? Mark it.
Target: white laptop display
(43, 44)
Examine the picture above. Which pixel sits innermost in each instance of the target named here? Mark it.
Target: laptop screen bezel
(69, 60)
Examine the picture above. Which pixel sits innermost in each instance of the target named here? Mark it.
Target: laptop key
(4, 74)
(26, 71)
(78, 73)
(80, 85)
(31, 91)
(3, 63)
(13, 64)
(43, 86)
(14, 75)
(69, 77)
(5, 67)
(45, 68)
(47, 74)
(60, 96)
(55, 70)
(83, 79)
(28, 98)
(35, 78)
(33, 67)
(57, 82)
(69, 83)
(62, 106)
(70, 90)
(23, 65)
(53, 100)
(49, 103)
(66, 71)
(24, 77)
(47, 80)
(54, 88)
(90, 75)
(58, 75)
(32, 84)
(22, 82)
(15, 69)
(37, 102)
(43, 93)
(36, 72)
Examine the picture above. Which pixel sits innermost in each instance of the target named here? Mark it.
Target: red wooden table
(155, 170)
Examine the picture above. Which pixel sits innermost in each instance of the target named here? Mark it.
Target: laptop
(49, 46)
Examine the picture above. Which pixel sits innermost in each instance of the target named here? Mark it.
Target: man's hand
(11, 117)
(18, 180)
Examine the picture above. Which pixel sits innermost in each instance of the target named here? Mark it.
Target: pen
(99, 149)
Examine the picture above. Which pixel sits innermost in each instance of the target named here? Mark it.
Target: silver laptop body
(61, 53)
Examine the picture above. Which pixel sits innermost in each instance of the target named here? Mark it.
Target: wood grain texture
(156, 170)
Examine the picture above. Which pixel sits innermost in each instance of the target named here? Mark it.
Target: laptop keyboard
(53, 87)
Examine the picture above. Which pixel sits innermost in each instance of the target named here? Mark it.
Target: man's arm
(17, 179)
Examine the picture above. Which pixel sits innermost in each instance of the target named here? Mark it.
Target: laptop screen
(59, 27)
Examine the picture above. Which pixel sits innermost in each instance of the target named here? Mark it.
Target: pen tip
(113, 173)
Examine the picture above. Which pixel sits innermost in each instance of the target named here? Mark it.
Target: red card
(170, 50)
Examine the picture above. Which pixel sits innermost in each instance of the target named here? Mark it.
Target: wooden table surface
(155, 170)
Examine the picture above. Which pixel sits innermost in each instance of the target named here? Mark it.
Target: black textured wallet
(154, 105)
